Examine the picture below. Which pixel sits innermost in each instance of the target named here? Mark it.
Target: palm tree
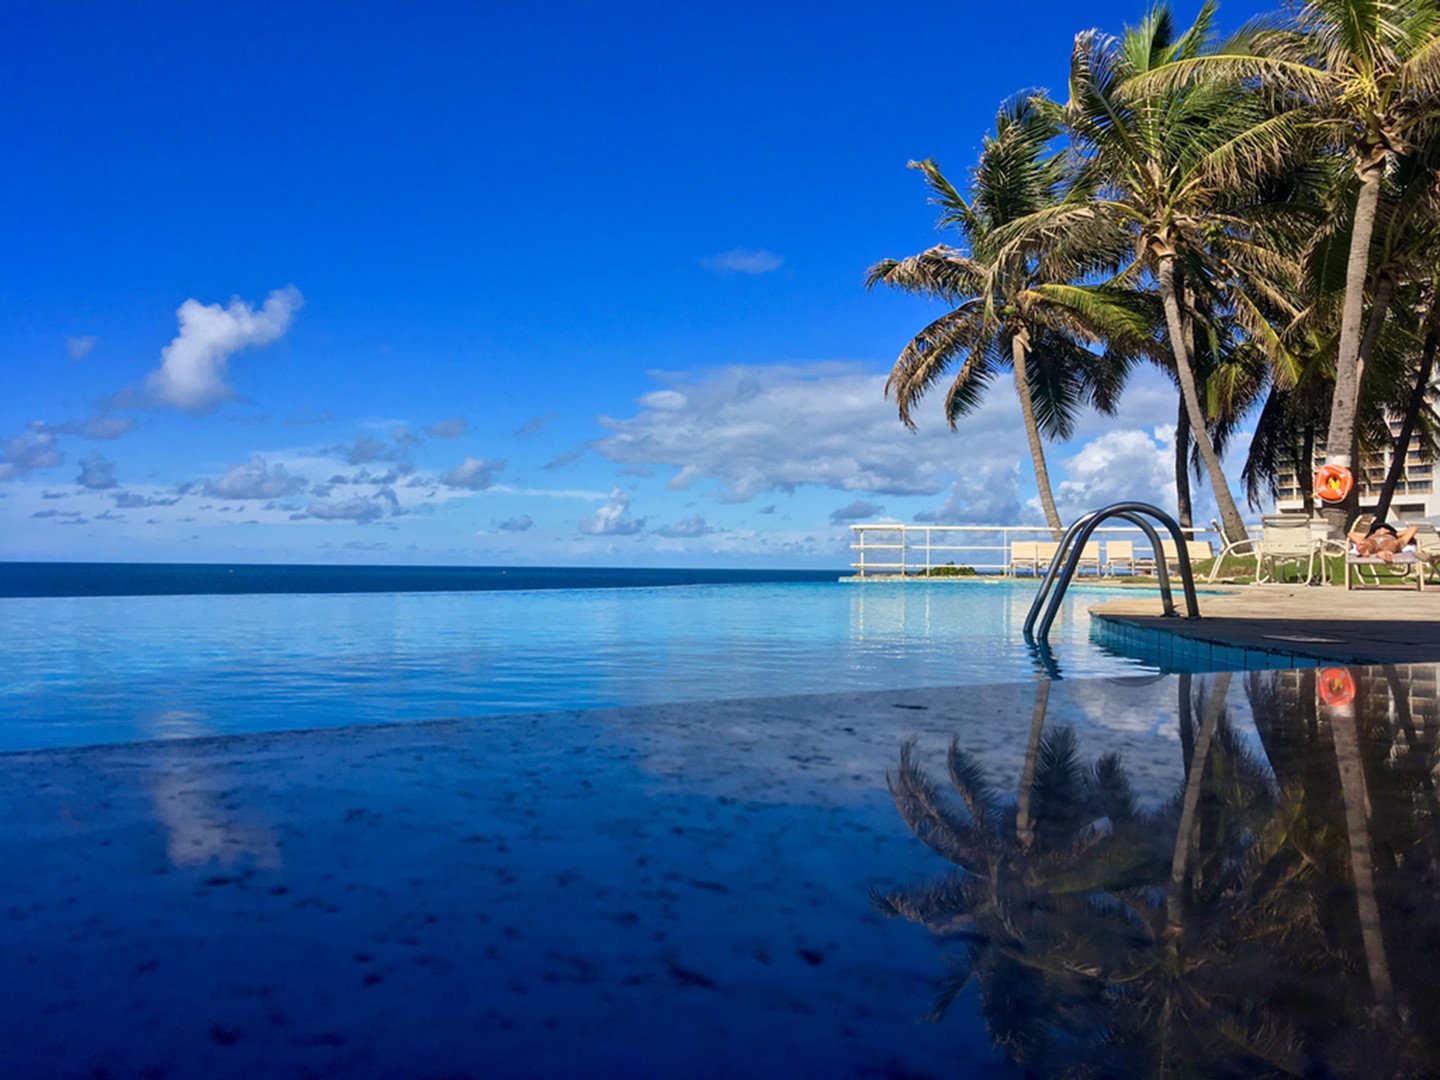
(1364, 74)
(1029, 308)
(1177, 167)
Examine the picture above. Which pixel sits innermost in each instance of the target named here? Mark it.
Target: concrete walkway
(1365, 626)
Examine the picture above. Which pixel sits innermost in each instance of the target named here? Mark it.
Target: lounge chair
(1089, 558)
(1285, 539)
(1423, 560)
(1198, 550)
(1427, 544)
(1117, 552)
(1023, 553)
(1404, 562)
(1045, 553)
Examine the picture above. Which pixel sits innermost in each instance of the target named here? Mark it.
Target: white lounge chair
(1405, 561)
(1285, 539)
(1023, 553)
(1419, 557)
(1118, 552)
(1045, 553)
(1427, 544)
(1198, 550)
(1089, 558)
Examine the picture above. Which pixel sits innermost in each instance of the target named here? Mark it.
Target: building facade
(1415, 495)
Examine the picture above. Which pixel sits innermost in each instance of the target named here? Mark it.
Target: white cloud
(743, 261)
(255, 480)
(474, 474)
(1119, 465)
(131, 500)
(194, 366)
(28, 451)
(452, 428)
(754, 429)
(988, 494)
(79, 347)
(535, 424)
(517, 524)
(687, 528)
(97, 472)
(613, 519)
(360, 510)
(858, 510)
(101, 426)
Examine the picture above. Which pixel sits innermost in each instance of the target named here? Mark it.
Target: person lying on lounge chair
(1383, 542)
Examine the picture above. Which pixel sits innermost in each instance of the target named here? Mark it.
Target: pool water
(1227, 875)
(96, 669)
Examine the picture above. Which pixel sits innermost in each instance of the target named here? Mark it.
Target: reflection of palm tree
(1216, 933)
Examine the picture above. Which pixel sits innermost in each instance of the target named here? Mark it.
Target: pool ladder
(1074, 543)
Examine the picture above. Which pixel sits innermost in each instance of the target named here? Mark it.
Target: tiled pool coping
(1327, 624)
(1191, 651)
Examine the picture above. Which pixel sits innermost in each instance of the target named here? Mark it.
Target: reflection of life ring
(1333, 483)
(1336, 686)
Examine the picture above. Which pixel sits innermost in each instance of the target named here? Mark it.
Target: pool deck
(1364, 626)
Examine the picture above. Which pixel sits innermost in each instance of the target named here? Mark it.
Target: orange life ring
(1333, 483)
(1336, 686)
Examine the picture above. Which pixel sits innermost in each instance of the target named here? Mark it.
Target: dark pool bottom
(733, 888)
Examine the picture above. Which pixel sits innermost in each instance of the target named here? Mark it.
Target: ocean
(198, 579)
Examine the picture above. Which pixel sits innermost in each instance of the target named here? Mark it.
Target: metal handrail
(1073, 545)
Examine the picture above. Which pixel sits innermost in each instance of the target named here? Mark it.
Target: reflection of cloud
(193, 366)
(192, 800)
(743, 261)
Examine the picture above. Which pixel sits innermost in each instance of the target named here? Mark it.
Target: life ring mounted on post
(1333, 483)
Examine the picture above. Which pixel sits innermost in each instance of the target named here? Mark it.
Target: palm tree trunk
(1019, 351)
(1230, 521)
(1407, 425)
(1182, 465)
(1302, 472)
(1379, 309)
(1340, 442)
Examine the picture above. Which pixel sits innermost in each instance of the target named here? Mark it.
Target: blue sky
(482, 283)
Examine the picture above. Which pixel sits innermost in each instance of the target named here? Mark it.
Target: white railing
(917, 549)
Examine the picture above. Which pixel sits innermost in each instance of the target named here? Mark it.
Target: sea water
(84, 669)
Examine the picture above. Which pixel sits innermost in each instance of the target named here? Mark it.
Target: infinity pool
(1230, 875)
(84, 670)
